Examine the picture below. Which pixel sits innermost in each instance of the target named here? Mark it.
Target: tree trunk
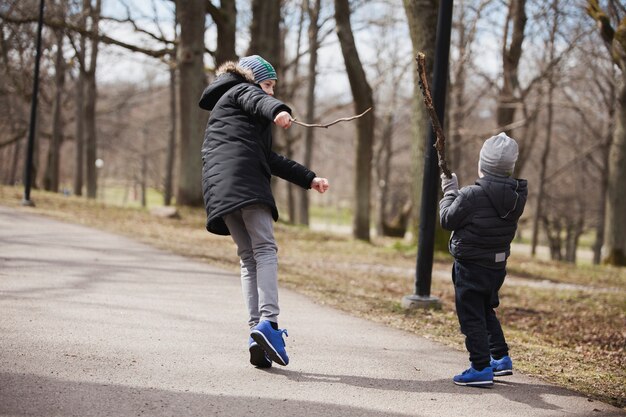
(615, 220)
(362, 93)
(546, 149)
(51, 175)
(15, 162)
(265, 31)
(383, 166)
(144, 168)
(309, 134)
(225, 19)
(511, 54)
(422, 20)
(191, 121)
(91, 96)
(79, 140)
(291, 198)
(14, 151)
(288, 92)
(603, 185)
(614, 248)
(458, 115)
(553, 228)
(171, 144)
(574, 230)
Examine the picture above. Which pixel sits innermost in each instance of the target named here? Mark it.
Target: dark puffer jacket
(483, 218)
(237, 156)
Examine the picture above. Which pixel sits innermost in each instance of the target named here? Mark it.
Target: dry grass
(571, 335)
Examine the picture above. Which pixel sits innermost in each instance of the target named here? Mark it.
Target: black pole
(28, 168)
(430, 180)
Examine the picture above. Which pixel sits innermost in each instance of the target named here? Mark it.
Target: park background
(118, 127)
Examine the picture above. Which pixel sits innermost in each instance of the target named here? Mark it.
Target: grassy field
(565, 324)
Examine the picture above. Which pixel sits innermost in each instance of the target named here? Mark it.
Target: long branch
(440, 144)
(327, 125)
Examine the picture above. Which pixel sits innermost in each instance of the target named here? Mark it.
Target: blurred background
(120, 80)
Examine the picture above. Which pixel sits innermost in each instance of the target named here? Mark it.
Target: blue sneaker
(258, 357)
(502, 367)
(271, 341)
(473, 378)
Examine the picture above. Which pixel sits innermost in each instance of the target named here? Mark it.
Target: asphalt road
(94, 324)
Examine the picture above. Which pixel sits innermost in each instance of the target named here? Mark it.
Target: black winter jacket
(237, 156)
(483, 218)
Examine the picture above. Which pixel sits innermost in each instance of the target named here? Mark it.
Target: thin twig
(440, 144)
(327, 125)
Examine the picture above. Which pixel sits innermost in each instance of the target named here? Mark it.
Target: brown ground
(564, 323)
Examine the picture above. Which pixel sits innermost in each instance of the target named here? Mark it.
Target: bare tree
(171, 146)
(551, 47)
(363, 99)
(606, 85)
(513, 38)
(265, 30)
(79, 140)
(191, 15)
(313, 8)
(14, 54)
(91, 94)
(289, 87)
(615, 221)
(422, 20)
(466, 97)
(392, 73)
(51, 174)
(225, 17)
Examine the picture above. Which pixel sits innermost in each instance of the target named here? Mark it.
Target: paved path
(93, 324)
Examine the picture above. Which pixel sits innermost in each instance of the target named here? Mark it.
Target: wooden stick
(327, 125)
(440, 144)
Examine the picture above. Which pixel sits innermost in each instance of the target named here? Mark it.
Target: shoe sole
(503, 373)
(265, 344)
(258, 358)
(474, 384)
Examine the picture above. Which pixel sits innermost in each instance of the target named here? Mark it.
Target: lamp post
(430, 180)
(28, 168)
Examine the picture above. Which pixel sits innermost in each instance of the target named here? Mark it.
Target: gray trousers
(252, 229)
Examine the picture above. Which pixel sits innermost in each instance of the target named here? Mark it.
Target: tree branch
(58, 24)
(19, 135)
(327, 125)
(440, 144)
(138, 29)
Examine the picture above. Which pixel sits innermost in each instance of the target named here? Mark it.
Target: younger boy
(483, 219)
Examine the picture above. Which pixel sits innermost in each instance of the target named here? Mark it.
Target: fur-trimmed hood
(232, 68)
(228, 75)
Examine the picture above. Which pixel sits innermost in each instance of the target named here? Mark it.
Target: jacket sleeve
(456, 210)
(290, 170)
(253, 100)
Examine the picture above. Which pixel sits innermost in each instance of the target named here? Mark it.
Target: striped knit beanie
(261, 69)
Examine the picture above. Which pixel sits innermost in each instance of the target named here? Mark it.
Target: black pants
(476, 295)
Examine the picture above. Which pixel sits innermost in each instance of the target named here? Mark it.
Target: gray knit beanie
(261, 69)
(498, 156)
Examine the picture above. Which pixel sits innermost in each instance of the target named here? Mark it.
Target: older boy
(237, 165)
(483, 218)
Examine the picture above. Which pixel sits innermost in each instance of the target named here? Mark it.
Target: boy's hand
(320, 184)
(283, 119)
(449, 184)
